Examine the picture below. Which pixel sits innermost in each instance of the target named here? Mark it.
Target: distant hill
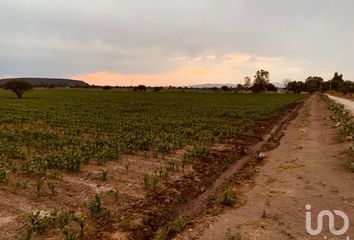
(45, 82)
(212, 85)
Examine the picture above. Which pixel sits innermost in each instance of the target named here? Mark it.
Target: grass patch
(228, 197)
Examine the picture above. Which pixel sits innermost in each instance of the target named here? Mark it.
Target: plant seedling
(104, 175)
(127, 166)
(52, 187)
(114, 192)
(39, 185)
(3, 178)
(146, 180)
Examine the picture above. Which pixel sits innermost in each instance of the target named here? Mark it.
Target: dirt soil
(75, 190)
(306, 168)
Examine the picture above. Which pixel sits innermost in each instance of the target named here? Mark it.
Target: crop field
(93, 164)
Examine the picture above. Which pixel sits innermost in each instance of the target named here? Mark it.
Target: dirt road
(348, 104)
(306, 168)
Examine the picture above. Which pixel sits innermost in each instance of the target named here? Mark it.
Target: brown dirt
(76, 190)
(306, 168)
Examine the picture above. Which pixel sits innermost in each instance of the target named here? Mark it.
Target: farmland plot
(89, 164)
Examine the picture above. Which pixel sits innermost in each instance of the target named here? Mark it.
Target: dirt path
(348, 104)
(306, 168)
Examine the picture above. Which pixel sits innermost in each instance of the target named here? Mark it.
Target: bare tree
(286, 82)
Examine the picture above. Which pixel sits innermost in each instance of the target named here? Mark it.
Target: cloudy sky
(175, 42)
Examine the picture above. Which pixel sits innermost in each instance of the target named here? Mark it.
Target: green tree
(247, 84)
(261, 80)
(345, 87)
(17, 86)
(314, 84)
(336, 81)
(296, 87)
(261, 76)
(225, 88)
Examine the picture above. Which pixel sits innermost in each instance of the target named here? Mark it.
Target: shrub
(177, 225)
(157, 89)
(106, 87)
(225, 88)
(141, 88)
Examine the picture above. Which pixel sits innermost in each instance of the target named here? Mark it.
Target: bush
(176, 226)
(106, 87)
(157, 89)
(271, 88)
(141, 88)
(225, 88)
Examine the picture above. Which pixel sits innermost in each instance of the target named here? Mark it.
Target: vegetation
(52, 187)
(141, 88)
(41, 221)
(230, 236)
(228, 197)
(97, 210)
(176, 226)
(55, 130)
(3, 178)
(317, 84)
(225, 88)
(17, 86)
(106, 87)
(260, 83)
(104, 175)
(96, 206)
(344, 119)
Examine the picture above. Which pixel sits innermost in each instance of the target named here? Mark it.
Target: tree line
(261, 83)
(317, 84)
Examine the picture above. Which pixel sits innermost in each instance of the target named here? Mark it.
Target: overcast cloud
(176, 42)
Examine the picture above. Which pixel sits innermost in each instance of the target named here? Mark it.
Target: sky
(175, 42)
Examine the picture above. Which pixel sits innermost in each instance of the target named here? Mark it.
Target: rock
(261, 155)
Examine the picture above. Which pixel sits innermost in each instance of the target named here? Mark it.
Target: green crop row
(63, 129)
